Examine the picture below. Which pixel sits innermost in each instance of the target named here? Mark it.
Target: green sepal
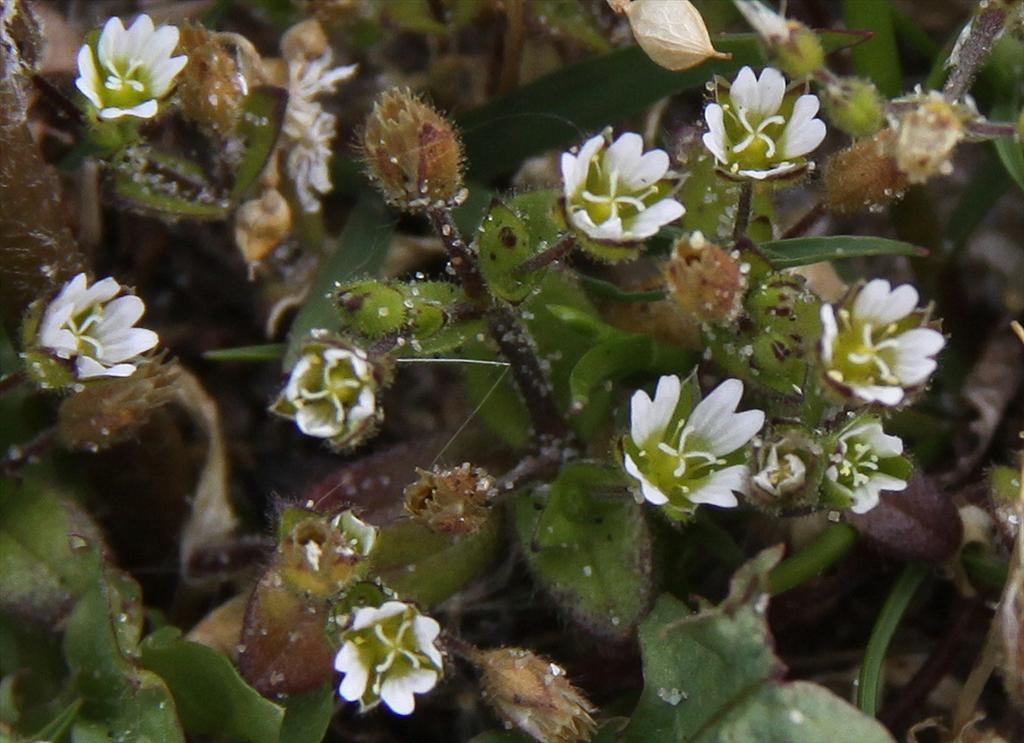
(259, 127)
(167, 186)
(503, 244)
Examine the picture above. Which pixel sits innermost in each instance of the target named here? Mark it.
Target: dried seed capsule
(211, 88)
(705, 281)
(450, 500)
(534, 694)
(926, 138)
(864, 175)
(261, 224)
(672, 34)
(414, 154)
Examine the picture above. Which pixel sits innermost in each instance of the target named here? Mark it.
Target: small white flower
(130, 70)
(309, 130)
(875, 348)
(389, 654)
(331, 393)
(781, 475)
(618, 193)
(769, 25)
(88, 324)
(756, 130)
(866, 461)
(682, 460)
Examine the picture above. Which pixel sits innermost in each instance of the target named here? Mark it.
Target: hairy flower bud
(864, 175)
(926, 137)
(211, 88)
(452, 500)
(413, 153)
(108, 412)
(534, 694)
(261, 224)
(704, 280)
(672, 34)
(855, 106)
(792, 46)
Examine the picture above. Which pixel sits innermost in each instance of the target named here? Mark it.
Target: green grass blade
(877, 58)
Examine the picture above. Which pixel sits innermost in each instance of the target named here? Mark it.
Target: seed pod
(926, 138)
(788, 464)
(413, 153)
(673, 34)
(864, 175)
(534, 694)
(261, 224)
(450, 500)
(211, 88)
(704, 280)
(855, 106)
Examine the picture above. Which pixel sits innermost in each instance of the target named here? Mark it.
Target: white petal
(719, 404)
(877, 302)
(426, 630)
(123, 312)
(570, 182)
(921, 342)
(650, 492)
(771, 89)
(159, 46)
(715, 139)
(348, 662)
(110, 43)
(743, 91)
(397, 693)
(878, 393)
(138, 37)
(761, 175)
(145, 110)
(88, 81)
(651, 418)
(98, 293)
(132, 344)
(610, 229)
(164, 73)
(318, 420)
(829, 331)
(648, 222)
(624, 154)
(718, 490)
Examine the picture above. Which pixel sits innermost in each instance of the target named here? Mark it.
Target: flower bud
(862, 462)
(261, 224)
(332, 391)
(534, 694)
(792, 46)
(672, 34)
(318, 557)
(855, 106)
(864, 175)
(211, 88)
(788, 464)
(926, 137)
(452, 500)
(704, 280)
(108, 412)
(413, 153)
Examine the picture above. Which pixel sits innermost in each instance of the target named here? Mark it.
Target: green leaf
(211, 696)
(307, 716)
(262, 352)
(592, 555)
(428, 567)
(608, 290)
(878, 57)
(801, 251)
(48, 552)
(122, 702)
(712, 676)
(360, 251)
(622, 356)
(503, 244)
(259, 128)
(165, 185)
(570, 19)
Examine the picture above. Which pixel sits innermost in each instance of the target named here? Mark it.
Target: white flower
(618, 193)
(88, 324)
(875, 348)
(129, 70)
(866, 461)
(682, 460)
(769, 25)
(756, 130)
(780, 476)
(389, 654)
(309, 130)
(331, 393)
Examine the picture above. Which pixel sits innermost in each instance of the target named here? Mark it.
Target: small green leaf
(801, 251)
(622, 356)
(503, 244)
(263, 352)
(259, 128)
(428, 567)
(167, 186)
(591, 554)
(360, 251)
(211, 696)
(712, 676)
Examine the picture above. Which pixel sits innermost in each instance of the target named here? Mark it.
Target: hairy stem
(462, 260)
(556, 252)
(743, 207)
(984, 29)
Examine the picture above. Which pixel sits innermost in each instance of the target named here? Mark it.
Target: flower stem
(556, 252)
(18, 457)
(508, 332)
(743, 207)
(806, 222)
(869, 682)
(830, 546)
(12, 381)
(985, 27)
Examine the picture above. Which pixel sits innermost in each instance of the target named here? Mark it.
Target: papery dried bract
(451, 500)
(673, 34)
